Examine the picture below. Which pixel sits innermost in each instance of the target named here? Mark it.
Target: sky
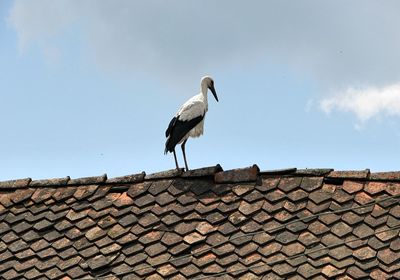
(88, 87)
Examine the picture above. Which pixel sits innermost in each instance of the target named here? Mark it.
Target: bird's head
(208, 82)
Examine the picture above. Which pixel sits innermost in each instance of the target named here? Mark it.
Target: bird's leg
(184, 154)
(176, 161)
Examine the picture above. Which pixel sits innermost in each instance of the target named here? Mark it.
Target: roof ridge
(237, 175)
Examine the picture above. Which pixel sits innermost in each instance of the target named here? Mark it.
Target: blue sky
(89, 87)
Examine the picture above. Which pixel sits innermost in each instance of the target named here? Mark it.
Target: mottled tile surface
(306, 224)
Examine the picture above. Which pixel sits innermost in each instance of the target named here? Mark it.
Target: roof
(205, 223)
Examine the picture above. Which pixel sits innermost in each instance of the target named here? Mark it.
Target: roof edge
(284, 171)
(385, 176)
(353, 174)
(202, 172)
(133, 178)
(314, 171)
(239, 175)
(15, 184)
(88, 180)
(247, 174)
(167, 174)
(50, 182)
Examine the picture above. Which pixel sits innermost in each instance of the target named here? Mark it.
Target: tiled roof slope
(204, 224)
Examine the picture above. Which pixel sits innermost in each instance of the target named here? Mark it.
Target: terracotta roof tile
(289, 184)
(236, 218)
(223, 250)
(307, 271)
(309, 184)
(393, 189)
(51, 228)
(248, 209)
(15, 184)
(364, 253)
(275, 196)
(268, 184)
(320, 196)
(385, 176)
(318, 228)
(98, 261)
(341, 229)
(190, 270)
(202, 172)
(362, 174)
(387, 256)
(355, 272)
(164, 174)
(21, 195)
(134, 178)
(237, 175)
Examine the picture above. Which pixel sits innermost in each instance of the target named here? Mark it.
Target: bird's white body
(194, 107)
(189, 120)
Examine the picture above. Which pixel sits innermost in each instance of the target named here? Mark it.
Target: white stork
(189, 120)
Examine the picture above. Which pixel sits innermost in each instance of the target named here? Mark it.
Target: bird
(189, 120)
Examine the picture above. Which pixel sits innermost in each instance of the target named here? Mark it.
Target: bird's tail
(167, 146)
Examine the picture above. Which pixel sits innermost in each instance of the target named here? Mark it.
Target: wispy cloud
(365, 103)
(39, 23)
(175, 39)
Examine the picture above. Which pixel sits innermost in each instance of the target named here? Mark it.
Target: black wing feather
(170, 126)
(177, 129)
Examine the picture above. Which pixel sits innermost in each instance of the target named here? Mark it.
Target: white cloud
(366, 103)
(39, 23)
(176, 39)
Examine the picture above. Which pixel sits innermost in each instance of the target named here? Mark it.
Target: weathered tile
(151, 237)
(356, 273)
(152, 221)
(341, 229)
(387, 256)
(320, 196)
(247, 249)
(148, 220)
(20, 195)
(309, 184)
(270, 249)
(340, 253)
(164, 198)
(190, 270)
(307, 271)
(364, 253)
(194, 238)
(283, 269)
(204, 228)
(250, 208)
(293, 249)
(215, 218)
(145, 200)
(95, 233)
(85, 191)
(237, 175)
(290, 183)
(117, 231)
(98, 262)
(268, 184)
(318, 228)
(134, 178)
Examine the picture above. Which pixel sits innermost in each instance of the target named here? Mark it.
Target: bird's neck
(203, 93)
(203, 90)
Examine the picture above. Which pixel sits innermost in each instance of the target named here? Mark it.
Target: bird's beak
(213, 92)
